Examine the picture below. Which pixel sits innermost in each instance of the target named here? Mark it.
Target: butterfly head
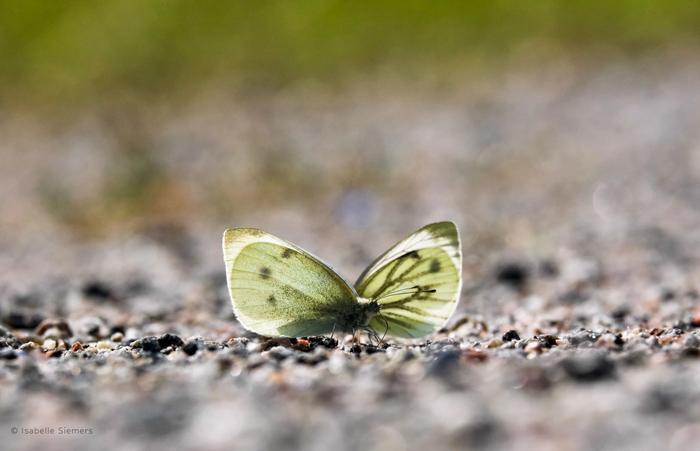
(369, 308)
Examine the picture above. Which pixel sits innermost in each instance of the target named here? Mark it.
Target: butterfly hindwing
(417, 282)
(278, 289)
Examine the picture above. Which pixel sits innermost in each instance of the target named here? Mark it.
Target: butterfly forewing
(278, 289)
(416, 283)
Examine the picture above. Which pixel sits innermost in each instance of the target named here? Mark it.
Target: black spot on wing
(272, 300)
(265, 273)
(287, 253)
(435, 265)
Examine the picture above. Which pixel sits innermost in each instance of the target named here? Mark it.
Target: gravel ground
(579, 324)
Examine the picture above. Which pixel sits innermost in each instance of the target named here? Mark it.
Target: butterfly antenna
(404, 291)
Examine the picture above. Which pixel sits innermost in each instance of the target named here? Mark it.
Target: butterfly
(279, 289)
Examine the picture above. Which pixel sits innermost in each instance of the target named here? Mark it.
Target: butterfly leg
(372, 335)
(377, 337)
(333, 331)
(386, 323)
(369, 334)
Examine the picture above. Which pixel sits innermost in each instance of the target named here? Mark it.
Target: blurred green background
(77, 52)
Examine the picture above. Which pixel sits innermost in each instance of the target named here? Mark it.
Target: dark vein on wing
(399, 280)
(408, 327)
(405, 319)
(414, 298)
(389, 277)
(415, 310)
(391, 280)
(400, 325)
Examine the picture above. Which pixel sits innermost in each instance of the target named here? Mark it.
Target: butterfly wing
(416, 283)
(278, 289)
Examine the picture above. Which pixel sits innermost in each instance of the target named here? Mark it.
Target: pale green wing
(278, 289)
(416, 283)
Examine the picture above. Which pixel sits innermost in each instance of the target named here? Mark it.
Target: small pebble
(326, 342)
(117, 337)
(494, 343)
(7, 354)
(240, 347)
(53, 327)
(210, 345)
(302, 344)
(619, 341)
(49, 344)
(148, 344)
(190, 347)
(28, 346)
(103, 345)
(511, 335)
(92, 326)
(548, 341)
(582, 337)
(533, 347)
(371, 349)
(9, 342)
(173, 340)
(253, 346)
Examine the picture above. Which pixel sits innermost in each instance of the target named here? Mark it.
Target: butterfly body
(356, 316)
(278, 289)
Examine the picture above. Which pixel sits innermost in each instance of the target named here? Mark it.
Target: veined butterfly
(278, 289)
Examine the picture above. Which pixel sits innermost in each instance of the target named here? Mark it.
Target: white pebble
(50, 344)
(104, 345)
